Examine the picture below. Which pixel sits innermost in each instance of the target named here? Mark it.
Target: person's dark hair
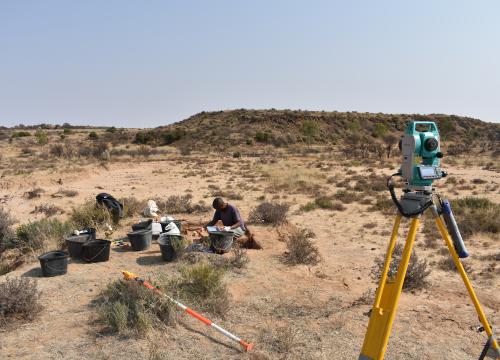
(217, 203)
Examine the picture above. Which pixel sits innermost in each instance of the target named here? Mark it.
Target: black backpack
(111, 204)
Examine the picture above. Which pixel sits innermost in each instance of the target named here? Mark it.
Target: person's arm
(214, 220)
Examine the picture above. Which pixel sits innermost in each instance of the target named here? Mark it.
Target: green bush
(93, 135)
(202, 286)
(261, 137)
(89, 214)
(6, 233)
(127, 307)
(20, 134)
(41, 137)
(42, 234)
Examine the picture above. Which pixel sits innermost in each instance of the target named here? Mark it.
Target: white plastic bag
(151, 209)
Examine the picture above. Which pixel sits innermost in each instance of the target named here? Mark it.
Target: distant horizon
(74, 124)
(146, 64)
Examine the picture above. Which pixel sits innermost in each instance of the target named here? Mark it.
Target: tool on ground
(420, 167)
(130, 276)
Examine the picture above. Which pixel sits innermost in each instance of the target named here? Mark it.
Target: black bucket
(54, 263)
(96, 251)
(169, 252)
(140, 239)
(75, 243)
(178, 223)
(143, 225)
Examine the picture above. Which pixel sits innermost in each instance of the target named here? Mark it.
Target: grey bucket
(140, 239)
(222, 242)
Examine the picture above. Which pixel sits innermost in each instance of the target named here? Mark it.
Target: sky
(148, 63)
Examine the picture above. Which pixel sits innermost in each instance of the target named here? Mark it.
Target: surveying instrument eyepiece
(420, 167)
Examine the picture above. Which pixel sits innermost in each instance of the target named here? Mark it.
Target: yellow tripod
(389, 291)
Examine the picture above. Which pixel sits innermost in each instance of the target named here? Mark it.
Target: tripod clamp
(413, 203)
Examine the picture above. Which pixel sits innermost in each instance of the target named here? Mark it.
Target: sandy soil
(269, 298)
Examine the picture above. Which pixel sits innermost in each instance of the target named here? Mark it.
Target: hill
(222, 129)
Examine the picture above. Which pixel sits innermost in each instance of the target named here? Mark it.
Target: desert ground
(315, 311)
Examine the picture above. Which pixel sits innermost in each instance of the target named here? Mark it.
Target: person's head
(219, 203)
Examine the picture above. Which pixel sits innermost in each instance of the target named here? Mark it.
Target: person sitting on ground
(230, 217)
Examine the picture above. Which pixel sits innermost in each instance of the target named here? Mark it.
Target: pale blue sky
(148, 63)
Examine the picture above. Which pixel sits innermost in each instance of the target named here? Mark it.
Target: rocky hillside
(221, 129)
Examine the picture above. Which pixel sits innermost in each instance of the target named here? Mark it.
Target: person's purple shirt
(229, 216)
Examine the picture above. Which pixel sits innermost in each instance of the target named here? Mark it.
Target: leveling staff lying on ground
(230, 217)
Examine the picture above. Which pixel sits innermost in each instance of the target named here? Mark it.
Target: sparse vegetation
(34, 193)
(416, 275)
(269, 213)
(48, 210)
(19, 301)
(5, 228)
(128, 308)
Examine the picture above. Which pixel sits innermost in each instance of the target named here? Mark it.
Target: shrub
(231, 195)
(346, 197)
(42, 234)
(34, 193)
(476, 215)
(240, 258)
(416, 273)
(202, 286)
(90, 214)
(270, 213)
(41, 137)
(20, 134)
(261, 137)
(48, 210)
(93, 135)
(447, 264)
(5, 228)
(300, 248)
(132, 206)
(383, 204)
(127, 307)
(181, 204)
(19, 300)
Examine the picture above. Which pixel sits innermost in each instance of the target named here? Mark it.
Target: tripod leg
(387, 298)
(468, 285)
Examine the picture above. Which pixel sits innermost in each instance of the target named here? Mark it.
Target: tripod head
(420, 146)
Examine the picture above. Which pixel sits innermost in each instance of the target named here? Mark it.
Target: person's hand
(227, 228)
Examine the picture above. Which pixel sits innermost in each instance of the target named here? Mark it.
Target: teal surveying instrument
(420, 167)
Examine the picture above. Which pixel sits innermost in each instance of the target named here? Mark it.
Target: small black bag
(111, 204)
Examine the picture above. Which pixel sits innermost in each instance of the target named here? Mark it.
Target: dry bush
(126, 307)
(416, 273)
(366, 298)
(181, 204)
(383, 204)
(47, 210)
(475, 215)
(34, 193)
(447, 264)
(270, 213)
(281, 340)
(19, 300)
(202, 286)
(239, 259)
(132, 206)
(227, 194)
(90, 215)
(300, 248)
(65, 193)
(41, 235)
(346, 197)
(5, 228)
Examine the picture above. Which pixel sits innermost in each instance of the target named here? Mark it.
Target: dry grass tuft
(91, 215)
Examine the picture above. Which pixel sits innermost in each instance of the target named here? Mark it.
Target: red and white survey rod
(130, 276)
